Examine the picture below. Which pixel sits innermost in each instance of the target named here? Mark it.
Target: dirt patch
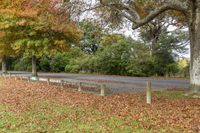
(179, 113)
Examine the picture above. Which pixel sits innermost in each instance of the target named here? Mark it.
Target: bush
(72, 68)
(44, 64)
(58, 62)
(22, 64)
(171, 69)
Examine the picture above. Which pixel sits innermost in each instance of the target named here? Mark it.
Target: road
(117, 83)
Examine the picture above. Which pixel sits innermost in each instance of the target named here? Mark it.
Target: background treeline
(104, 53)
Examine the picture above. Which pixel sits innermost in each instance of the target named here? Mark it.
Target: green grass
(48, 117)
(52, 117)
(170, 94)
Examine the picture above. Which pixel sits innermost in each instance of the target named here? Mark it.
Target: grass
(51, 117)
(170, 94)
(35, 107)
(48, 117)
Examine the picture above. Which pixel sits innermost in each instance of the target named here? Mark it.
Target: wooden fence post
(62, 83)
(4, 76)
(29, 79)
(148, 93)
(9, 75)
(80, 87)
(48, 81)
(103, 90)
(15, 77)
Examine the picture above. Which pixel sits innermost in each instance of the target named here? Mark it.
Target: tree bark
(4, 69)
(34, 66)
(194, 29)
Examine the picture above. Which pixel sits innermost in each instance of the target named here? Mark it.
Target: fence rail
(80, 85)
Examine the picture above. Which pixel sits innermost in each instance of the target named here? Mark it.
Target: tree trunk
(34, 66)
(4, 69)
(194, 28)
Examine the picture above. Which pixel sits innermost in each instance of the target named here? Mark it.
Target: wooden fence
(80, 85)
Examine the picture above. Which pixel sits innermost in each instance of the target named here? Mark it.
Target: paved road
(117, 83)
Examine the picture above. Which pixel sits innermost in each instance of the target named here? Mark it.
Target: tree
(58, 62)
(117, 55)
(158, 32)
(183, 66)
(189, 9)
(22, 64)
(163, 46)
(91, 36)
(38, 29)
(5, 50)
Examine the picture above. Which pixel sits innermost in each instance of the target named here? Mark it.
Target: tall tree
(187, 9)
(39, 27)
(164, 44)
(92, 34)
(159, 29)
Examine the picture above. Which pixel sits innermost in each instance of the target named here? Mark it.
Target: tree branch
(171, 5)
(132, 15)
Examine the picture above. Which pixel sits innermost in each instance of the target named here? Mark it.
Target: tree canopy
(37, 27)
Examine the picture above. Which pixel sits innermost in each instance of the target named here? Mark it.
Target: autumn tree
(39, 27)
(183, 66)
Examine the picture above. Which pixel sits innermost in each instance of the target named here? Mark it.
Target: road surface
(117, 83)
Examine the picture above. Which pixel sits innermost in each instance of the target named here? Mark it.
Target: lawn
(47, 117)
(37, 107)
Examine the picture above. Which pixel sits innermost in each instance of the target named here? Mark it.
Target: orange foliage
(30, 8)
